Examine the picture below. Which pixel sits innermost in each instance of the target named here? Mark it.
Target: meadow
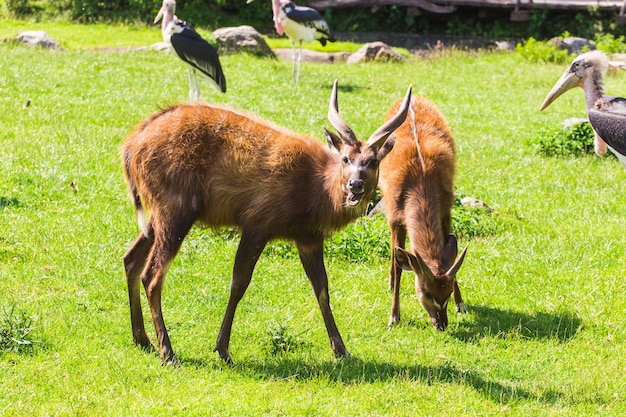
(545, 331)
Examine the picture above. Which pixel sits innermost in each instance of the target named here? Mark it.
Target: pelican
(300, 24)
(199, 55)
(607, 115)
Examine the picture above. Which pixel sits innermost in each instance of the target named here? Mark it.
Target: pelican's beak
(567, 81)
(159, 15)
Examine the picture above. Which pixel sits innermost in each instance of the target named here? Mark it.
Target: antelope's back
(230, 166)
(425, 125)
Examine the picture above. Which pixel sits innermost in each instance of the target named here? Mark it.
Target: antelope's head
(360, 159)
(434, 288)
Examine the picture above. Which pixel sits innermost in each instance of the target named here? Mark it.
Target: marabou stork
(607, 115)
(300, 24)
(199, 55)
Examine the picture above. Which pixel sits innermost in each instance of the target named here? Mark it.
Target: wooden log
(450, 6)
(422, 4)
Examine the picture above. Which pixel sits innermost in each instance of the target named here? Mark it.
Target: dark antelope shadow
(353, 371)
(485, 321)
(481, 322)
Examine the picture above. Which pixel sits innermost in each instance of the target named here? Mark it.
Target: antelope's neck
(425, 234)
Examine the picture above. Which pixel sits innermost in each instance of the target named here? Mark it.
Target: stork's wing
(608, 119)
(310, 18)
(201, 55)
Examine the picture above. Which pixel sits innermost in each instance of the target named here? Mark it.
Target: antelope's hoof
(145, 344)
(393, 321)
(168, 358)
(461, 308)
(224, 355)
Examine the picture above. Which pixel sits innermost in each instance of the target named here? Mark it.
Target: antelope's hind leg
(458, 300)
(169, 233)
(134, 262)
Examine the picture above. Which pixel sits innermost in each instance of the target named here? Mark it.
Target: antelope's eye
(346, 160)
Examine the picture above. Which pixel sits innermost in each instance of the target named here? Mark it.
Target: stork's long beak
(159, 15)
(567, 81)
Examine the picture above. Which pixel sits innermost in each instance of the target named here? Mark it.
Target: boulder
(573, 45)
(37, 38)
(375, 51)
(242, 39)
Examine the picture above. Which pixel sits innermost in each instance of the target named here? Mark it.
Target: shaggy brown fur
(416, 181)
(222, 167)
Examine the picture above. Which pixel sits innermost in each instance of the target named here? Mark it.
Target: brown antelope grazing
(222, 167)
(416, 181)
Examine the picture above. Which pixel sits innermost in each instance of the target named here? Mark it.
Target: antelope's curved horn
(428, 274)
(382, 133)
(455, 268)
(336, 121)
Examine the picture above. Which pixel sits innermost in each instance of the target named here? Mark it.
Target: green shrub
(281, 341)
(538, 51)
(15, 330)
(472, 222)
(609, 43)
(576, 140)
(17, 8)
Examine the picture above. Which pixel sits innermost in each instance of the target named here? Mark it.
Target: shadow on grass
(481, 322)
(350, 371)
(505, 324)
(353, 371)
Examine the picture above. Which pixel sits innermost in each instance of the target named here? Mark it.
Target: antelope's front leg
(312, 258)
(248, 252)
(398, 237)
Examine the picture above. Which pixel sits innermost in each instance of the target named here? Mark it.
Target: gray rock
(573, 45)
(375, 51)
(242, 39)
(37, 38)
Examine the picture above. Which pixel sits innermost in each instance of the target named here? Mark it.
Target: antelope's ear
(386, 148)
(451, 249)
(334, 141)
(406, 260)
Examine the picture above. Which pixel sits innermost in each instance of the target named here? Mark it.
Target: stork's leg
(197, 86)
(191, 84)
(299, 63)
(293, 61)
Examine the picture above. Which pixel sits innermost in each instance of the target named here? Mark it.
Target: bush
(472, 222)
(15, 330)
(609, 43)
(538, 51)
(18, 8)
(281, 341)
(576, 140)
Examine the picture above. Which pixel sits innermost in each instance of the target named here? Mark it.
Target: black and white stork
(607, 115)
(199, 55)
(300, 24)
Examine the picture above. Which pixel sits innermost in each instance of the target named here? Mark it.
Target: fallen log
(422, 4)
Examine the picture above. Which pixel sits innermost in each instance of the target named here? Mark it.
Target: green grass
(544, 335)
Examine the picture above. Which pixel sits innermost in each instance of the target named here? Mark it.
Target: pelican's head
(592, 64)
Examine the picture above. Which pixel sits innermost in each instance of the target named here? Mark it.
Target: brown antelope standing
(223, 167)
(416, 181)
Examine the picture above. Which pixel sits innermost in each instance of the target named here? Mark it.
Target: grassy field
(545, 332)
